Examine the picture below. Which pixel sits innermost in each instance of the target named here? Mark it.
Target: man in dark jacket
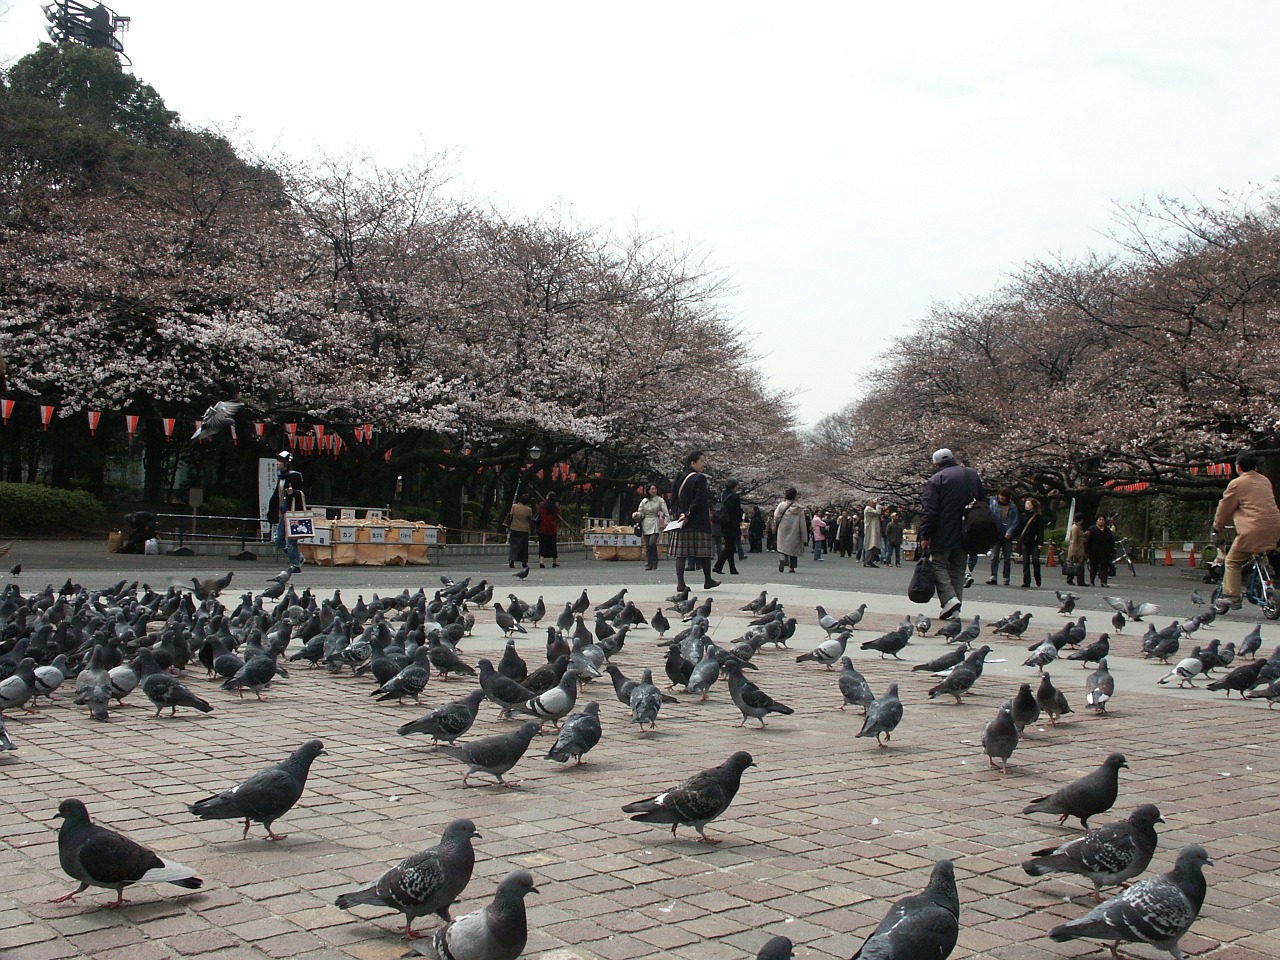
(730, 528)
(943, 501)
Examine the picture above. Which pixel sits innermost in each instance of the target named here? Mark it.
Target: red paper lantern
(46, 414)
(6, 410)
(168, 423)
(94, 417)
(131, 424)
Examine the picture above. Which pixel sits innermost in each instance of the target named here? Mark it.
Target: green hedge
(35, 508)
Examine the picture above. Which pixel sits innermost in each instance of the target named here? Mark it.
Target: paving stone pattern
(825, 834)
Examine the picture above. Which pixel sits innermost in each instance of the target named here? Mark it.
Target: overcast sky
(845, 164)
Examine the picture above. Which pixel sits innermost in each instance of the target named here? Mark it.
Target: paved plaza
(826, 832)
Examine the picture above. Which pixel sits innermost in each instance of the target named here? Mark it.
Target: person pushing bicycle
(1248, 504)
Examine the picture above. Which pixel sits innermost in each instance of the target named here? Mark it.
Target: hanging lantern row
(1214, 470)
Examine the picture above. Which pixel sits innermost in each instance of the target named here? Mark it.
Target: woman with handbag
(651, 517)
(693, 511)
(519, 526)
(1073, 567)
(1030, 540)
(788, 517)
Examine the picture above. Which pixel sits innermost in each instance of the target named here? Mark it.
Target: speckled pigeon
(1108, 855)
(578, 734)
(883, 717)
(920, 926)
(697, 801)
(447, 722)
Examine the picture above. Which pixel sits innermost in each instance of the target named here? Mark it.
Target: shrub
(36, 508)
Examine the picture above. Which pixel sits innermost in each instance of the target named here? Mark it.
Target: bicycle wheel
(1271, 608)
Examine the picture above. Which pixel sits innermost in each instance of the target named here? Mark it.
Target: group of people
(524, 519)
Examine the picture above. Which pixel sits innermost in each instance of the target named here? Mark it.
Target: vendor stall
(371, 542)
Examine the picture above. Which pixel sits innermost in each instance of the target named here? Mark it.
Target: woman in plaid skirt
(691, 504)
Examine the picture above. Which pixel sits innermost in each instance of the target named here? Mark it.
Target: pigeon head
(593, 708)
(518, 883)
(73, 811)
(1191, 858)
(1115, 761)
(460, 831)
(942, 887)
(1147, 814)
(740, 761)
(528, 731)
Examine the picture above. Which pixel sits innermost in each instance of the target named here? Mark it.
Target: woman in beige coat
(1248, 503)
(788, 518)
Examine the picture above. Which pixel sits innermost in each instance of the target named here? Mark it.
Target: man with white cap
(288, 496)
(946, 495)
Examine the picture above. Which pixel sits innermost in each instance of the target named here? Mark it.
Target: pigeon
(1118, 621)
(1092, 794)
(163, 690)
(511, 665)
(506, 693)
(947, 661)
(447, 722)
(446, 660)
(1099, 687)
(1051, 700)
(889, 643)
(494, 755)
(827, 622)
(1157, 910)
(1023, 708)
(1108, 855)
(582, 604)
(1094, 652)
(1251, 644)
(556, 703)
(15, 570)
(523, 574)
(1044, 654)
(506, 622)
(660, 623)
(883, 717)
(949, 629)
(5, 742)
(925, 925)
(1016, 627)
(255, 673)
(578, 735)
(19, 690)
(1131, 610)
(1067, 602)
(853, 687)
(266, 796)
(99, 857)
(1242, 678)
(645, 701)
(427, 882)
(1185, 670)
(779, 948)
(851, 620)
(750, 699)
(1000, 738)
(827, 652)
(217, 418)
(962, 678)
(496, 932)
(696, 802)
(1197, 599)
(705, 672)
(1270, 693)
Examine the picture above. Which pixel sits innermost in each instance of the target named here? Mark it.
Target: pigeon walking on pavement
(98, 857)
(1092, 794)
(494, 755)
(925, 925)
(1158, 910)
(1000, 737)
(1099, 687)
(854, 688)
(698, 800)
(1108, 855)
(427, 882)
(446, 722)
(578, 735)
(498, 931)
(883, 717)
(750, 699)
(266, 796)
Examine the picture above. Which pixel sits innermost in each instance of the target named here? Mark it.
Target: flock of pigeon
(107, 644)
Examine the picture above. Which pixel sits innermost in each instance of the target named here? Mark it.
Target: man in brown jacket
(1248, 503)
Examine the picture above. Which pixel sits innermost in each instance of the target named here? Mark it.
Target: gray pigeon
(779, 948)
(447, 722)
(1251, 643)
(750, 699)
(854, 687)
(502, 690)
(827, 652)
(645, 701)
(427, 882)
(1099, 687)
(890, 643)
(99, 857)
(556, 703)
(1092, 794)
(19, 689)
(1157, 910)
(266, 796)
(163, 690)
(1042, 656)
(1023, 709)
(1108, 856)
(1000, 737)
(578, 735)
(925, 925)
(494, 755)
(697, 801)
(883, 717)
(1051, 700)
(952, 658)
(705, 672)
(496, 932)
(217, 418)
(5, 742)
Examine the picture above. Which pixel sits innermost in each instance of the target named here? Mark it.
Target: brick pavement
(826, 832)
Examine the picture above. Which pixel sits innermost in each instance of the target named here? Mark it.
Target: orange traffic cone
(1052, 561)
(1168, 555)
(1191, 557)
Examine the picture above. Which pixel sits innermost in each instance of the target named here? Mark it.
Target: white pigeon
(218, 417)
(1184, 671)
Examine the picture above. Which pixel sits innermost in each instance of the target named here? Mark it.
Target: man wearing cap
(288, 496)
(943, 501)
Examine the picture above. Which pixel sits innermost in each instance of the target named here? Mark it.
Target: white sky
(846, 164)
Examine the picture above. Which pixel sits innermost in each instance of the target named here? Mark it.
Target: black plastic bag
(923, 584)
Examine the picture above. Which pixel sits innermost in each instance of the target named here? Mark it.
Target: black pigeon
(496, 932)
(1108, 855)
(1023, 708)
(494, 755)
(779, 948)
(447, 722)
(951, 658)
(427, 882)
(696, 802)
(15, 570)
(1092, 794)
(889, 643)
(523, 574)
(854, 687)
(582, 604)
(99, 857)
(409, 682)
(266, 796)
(1051, 700)
(678, 669)
(1157, 910)
(1240, 679)
(750, 699)
(254, 674)
(578, 735)
(1094, 652)
(164, 690)
(883, 717)
(926, 925)
(512, 665)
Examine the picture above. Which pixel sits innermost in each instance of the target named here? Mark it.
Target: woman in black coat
(730, 528)
(1030, 539)
(1100, 550)
(692, 506)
